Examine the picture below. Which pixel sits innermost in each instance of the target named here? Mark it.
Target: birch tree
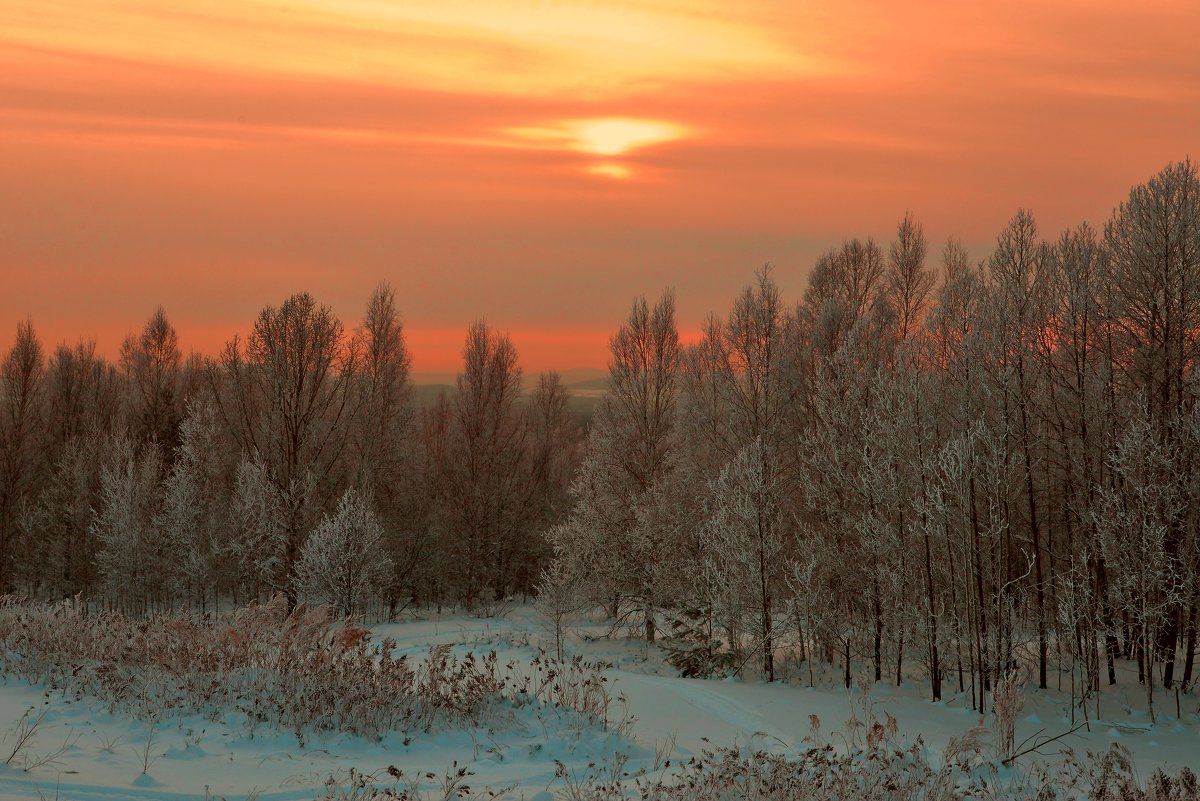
(611, 543)
(744, 540)
(130, 556)
(286, 398)
(151, 362)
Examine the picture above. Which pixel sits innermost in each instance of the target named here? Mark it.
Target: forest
(934, 463)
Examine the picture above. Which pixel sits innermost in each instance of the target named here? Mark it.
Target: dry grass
(881, 774)
(302, 671)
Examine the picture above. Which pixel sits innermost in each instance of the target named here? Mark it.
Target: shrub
(302, 670)
(298, 670)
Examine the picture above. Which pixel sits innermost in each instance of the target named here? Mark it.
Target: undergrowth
(878, 773)
(302, 670)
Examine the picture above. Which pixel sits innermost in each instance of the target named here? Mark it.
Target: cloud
(510, 47)
(541, 163)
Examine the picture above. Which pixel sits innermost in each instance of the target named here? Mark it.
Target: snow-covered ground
(653, 710)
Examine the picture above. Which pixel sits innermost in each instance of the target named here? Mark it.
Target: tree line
(925, 465)
(952, 469)
(296, 462)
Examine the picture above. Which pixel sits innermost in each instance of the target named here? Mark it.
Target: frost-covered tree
(1138, 511)
(256, 541)
(22, 438)
(611, 543)
(559, 599)
(1018, 314)
(386, 443)
(843, 467)
(344, 562)
(745, 380)
(286, 396)
(1081, 413)
(844, 286)
(194, 511)
(899, 429)
(131, 553)
(56, 550)
(743, 540)
(1153, 239)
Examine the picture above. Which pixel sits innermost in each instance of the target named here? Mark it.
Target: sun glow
(612, 137)
(608, 136)
(604, 136)
(610, 169)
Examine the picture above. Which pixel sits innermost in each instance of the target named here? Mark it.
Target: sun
(605, 136)
(612, 137)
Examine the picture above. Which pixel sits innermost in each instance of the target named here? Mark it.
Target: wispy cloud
(545, 161)
(514, 47)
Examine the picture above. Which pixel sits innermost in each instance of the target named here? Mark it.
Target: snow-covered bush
(344, 563)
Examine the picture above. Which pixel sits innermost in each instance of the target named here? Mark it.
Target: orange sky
(539, 164)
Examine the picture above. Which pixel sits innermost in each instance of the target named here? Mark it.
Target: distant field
(584, 396)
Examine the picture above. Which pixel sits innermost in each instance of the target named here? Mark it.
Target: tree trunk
(935, 672)
(1189, 655)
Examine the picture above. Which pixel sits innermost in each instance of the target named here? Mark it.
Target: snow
(194, 756)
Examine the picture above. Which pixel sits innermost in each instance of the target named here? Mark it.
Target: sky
(539, 164)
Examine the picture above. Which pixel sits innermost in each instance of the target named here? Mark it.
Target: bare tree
(151, 363)
(22, 437)
(82, 393)
(553, 452)
(387, 453)
(955, 260)
(286, 398)
(480, 459)
(908, 283)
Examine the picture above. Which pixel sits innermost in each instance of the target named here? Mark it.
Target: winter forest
(973, 474)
